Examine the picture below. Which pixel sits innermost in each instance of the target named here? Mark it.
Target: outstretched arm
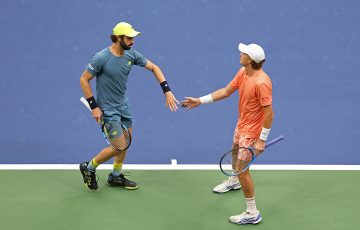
(191, 102)
(170, 98)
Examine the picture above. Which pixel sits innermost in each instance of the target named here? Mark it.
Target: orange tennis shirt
(254, 93)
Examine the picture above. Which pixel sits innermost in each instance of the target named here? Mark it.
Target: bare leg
(247, 184)
(121, 156)
(245, 178)
(108, 152)
(251, 215)
(248, 187)
(234, 155)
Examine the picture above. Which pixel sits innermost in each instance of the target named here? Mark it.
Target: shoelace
(228, 181)
(243, 218)
(120, 180)
(249, 217)
(122, 177)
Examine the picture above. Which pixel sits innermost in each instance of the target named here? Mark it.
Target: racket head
(236, 161)
(116, 134)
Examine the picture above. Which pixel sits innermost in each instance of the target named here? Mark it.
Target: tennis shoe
(88, 176)
(121, 181)
(246, 218)
(232, 183)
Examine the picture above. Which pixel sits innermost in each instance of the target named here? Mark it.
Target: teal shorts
(121, 116)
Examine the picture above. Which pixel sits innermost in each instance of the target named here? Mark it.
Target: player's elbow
(155, 68)
(83, 80)
(225, 93)
(271, 115)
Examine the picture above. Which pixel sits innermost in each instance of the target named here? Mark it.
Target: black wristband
(92, 102)
(165, 86)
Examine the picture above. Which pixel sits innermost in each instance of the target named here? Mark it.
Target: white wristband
(264, 134)
(206, 99)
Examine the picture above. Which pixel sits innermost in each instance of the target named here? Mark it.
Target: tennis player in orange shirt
(254, 122)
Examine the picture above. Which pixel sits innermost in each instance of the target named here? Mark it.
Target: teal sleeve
(95, 64)
(139, 60)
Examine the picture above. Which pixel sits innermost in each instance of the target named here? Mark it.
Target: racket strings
(243, 160)
(117, 135)
(120, 142)
(228, 160)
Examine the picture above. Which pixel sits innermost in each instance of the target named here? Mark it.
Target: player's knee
(244, 175)
(117, 153)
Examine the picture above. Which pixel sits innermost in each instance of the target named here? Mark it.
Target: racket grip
(84, 101)
(274, 141)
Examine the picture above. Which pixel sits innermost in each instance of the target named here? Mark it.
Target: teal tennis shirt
(112, 74)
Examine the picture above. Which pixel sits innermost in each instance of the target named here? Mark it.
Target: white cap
(255, 51)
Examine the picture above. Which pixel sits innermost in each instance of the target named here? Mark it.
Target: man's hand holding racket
(245, 157)
(97, 114)
(259, 147)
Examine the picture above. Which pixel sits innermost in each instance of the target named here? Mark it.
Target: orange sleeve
(264, 93)
(236, 81)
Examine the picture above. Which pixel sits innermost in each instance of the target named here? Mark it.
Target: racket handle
(84, 101)
(274, 141)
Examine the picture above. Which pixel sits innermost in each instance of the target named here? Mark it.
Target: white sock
(251, 206)
(234, 179)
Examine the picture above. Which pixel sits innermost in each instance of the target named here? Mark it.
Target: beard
(124, 46)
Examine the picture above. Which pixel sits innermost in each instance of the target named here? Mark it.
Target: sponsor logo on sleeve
(91, 67)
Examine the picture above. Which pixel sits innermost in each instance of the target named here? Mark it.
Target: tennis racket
(243, 156)
(115, 133)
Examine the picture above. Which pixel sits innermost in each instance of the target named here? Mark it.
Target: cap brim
(243, 48)
(133, 34)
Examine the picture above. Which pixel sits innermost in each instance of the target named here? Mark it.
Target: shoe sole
(235, 188)
(83, 175)
(129, 188)
(256, 222)
(132, 188)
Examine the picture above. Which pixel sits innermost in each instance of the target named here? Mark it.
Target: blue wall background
(312, 48)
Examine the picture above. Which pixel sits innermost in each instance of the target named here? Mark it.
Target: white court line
(175, 166)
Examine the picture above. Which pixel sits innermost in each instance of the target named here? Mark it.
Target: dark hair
(255, 65)
(113, 38)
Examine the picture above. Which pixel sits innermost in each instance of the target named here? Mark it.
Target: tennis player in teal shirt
(111, 67)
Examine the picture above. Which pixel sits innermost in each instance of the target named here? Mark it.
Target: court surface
(177, 199)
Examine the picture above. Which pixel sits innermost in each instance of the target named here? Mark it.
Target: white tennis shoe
(246, 218)
(232, 183)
